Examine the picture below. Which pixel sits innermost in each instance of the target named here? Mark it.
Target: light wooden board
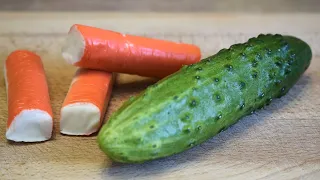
(280, 142)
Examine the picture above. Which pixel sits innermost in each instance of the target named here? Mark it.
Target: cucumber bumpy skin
(203, 99)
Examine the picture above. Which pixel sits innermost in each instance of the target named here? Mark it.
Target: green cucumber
(203, 99)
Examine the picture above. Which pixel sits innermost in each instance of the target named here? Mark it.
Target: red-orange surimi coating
(90, 86)
(116, 52)
(26, 84)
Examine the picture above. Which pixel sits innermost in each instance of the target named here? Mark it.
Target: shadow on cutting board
(125, 86)
(203, 151)
(125, 83)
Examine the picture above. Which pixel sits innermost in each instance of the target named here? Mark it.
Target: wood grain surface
(280, 142)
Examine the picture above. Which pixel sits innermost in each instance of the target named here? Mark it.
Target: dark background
(256, 6)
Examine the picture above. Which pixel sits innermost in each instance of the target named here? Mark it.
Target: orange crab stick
(95, 48)
(29, 109)
(84, 107)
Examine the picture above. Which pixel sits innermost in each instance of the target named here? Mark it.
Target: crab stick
(95, 48)
(83, 109)
(29, 109)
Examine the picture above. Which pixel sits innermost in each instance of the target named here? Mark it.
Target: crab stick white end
(29, 109)
(84, 107)
(32, 125)
(74, 46)
(80, 119)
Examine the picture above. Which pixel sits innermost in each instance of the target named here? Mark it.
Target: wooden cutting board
(279, 142)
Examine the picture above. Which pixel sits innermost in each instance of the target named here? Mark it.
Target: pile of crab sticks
(98, 53)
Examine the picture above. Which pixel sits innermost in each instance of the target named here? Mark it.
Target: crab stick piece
(29, 109)
(94, 48)
(83, 109)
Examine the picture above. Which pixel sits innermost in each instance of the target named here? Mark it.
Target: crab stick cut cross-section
(29, 109)
(83, 110)
(95, 48)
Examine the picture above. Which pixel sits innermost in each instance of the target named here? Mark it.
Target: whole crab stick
(95, 48)
(84, 107)
(29, 109)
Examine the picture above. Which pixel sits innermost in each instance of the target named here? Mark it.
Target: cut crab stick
(96, 48)
(29, 109)
(83, 110)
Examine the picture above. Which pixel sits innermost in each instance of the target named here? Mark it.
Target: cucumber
(203, 99)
